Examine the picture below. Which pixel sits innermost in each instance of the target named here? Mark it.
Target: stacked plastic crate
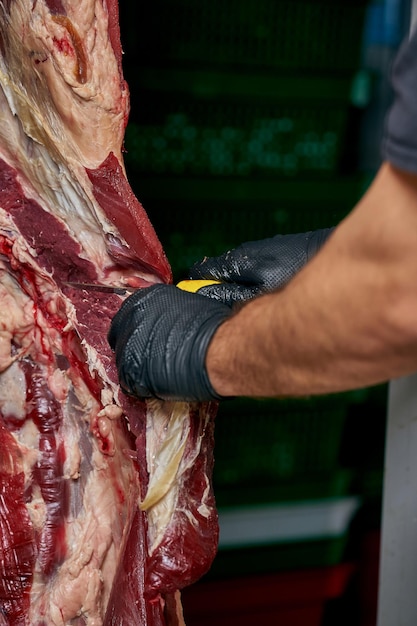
(239, 130)
(281, 487)
(285, 507)
(240, 117)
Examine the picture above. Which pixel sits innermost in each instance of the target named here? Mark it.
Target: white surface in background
(245, 526)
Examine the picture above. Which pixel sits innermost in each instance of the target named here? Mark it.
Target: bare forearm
(346, 320)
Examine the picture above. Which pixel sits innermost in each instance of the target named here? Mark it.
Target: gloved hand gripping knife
(258, 267)
(160, 336)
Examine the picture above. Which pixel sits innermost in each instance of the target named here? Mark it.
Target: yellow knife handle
(195, 285)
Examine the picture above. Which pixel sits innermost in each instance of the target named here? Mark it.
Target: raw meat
(106, 504)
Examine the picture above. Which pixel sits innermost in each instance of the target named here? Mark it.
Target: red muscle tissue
(106, 503)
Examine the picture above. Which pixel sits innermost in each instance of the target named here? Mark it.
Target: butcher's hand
(160, 336)
(258, 267)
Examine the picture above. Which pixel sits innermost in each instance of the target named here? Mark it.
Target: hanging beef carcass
(106, 506)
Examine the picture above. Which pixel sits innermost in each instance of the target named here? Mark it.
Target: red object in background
(368, 573)
(288, 599)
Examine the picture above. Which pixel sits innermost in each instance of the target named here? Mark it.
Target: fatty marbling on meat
(106, 505)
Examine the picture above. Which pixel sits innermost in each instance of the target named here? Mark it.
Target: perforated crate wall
(273, 451)
(322, 35)
(193, 227)
(231, 137)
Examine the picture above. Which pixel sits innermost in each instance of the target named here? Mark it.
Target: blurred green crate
(193, 228)
(314, 486)
(274, 451)
(279, 557)
(242, 136)
(323, 35)
(185, 247)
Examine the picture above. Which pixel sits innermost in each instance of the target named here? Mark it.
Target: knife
(186, 285)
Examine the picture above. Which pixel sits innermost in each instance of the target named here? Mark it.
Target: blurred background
(248, 119)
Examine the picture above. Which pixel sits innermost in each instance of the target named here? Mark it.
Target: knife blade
(185, 285)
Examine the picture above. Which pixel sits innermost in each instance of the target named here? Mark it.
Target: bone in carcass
(106, 506)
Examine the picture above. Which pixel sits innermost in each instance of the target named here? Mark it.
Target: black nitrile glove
(257, 267)
(160, 336)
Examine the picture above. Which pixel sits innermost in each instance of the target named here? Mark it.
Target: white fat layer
(12, 391)
(58, 383)
(111, 412)
(16, 322)
(168, 428)
(95, 118)
(27, 437)
(203, 509)
(86, 110)
(37, 509)
(65, 193)
(52, 126)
